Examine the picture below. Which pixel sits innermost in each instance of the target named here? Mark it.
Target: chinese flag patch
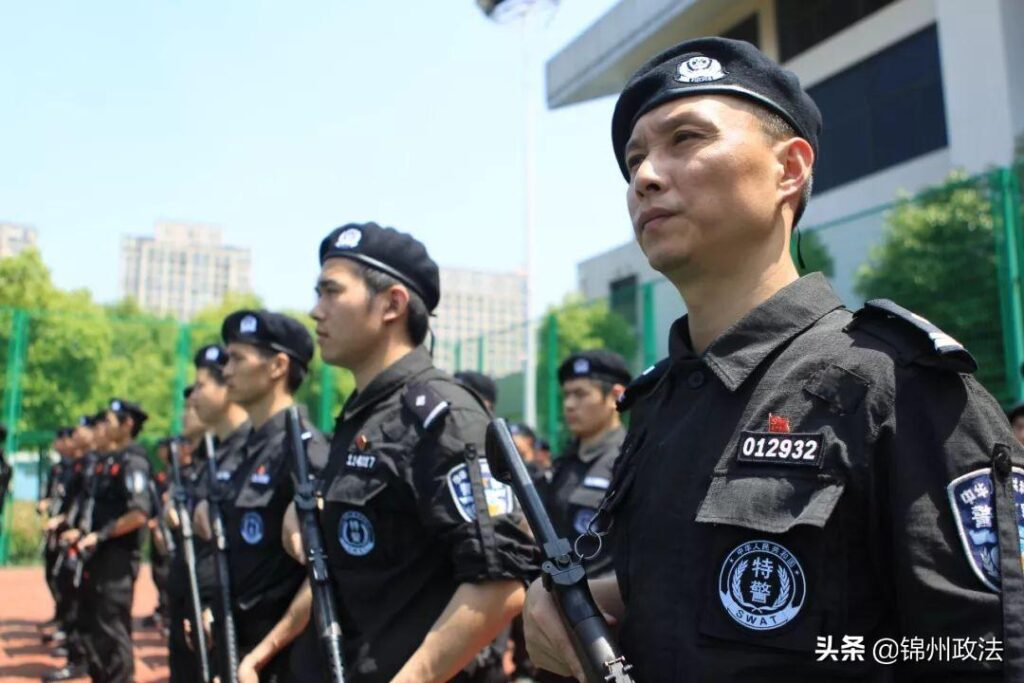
(778, 424)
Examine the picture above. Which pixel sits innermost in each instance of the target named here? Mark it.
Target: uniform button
(1001, 460)
(696, 379)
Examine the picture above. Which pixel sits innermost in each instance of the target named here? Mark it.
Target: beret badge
(699, 69)
(349, 239)
(247, 325)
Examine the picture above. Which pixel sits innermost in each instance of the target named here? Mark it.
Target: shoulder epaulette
(426, 404)
(915, 338)
(642, 384)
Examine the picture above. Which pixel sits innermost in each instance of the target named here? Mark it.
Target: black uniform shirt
(230, 456)
(399, 519)
(262, 573)
(792, 483)
(579, 480)
(123, 485)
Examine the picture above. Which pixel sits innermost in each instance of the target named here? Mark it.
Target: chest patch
(500, 499)
(596, 482)
(252, 527)
(974, 509)
(355, 533)
(260, 476)
(360, 461)
(776, 448)
(761, 585)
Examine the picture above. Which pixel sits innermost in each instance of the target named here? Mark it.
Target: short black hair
(777, 129)
(296, 371)
(216, 373)
(136, 422)
(417, 321)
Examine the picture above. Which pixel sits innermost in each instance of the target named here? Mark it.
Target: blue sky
(278, 121)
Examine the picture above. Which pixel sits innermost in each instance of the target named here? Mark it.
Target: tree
(815, 252)
(938, 258)
(579, 325)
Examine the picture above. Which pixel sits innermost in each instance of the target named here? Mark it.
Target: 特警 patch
(355, 533)
(761, 585)
(500, 499)
(972, 497)
(252, 527)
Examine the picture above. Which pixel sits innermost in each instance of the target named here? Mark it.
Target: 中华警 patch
(972, 497)
(761, 585)
(355, 533)
(500, 499)
(252, 527)
(780, 448)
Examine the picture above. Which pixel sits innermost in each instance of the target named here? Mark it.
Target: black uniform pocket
(767, 583)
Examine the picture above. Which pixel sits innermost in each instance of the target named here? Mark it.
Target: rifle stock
(221, 556)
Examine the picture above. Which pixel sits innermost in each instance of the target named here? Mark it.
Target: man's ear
(796, 160)
(279, 365)
(616, 392)
(396, 302)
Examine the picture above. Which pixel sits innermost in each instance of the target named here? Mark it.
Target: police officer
(160, 548)
(122, 506)
(484, 386)
(1016, 417)
(268, 357)
(426, 558)
(229, 424)
(50, 505)
(796, 477)
(592, 382)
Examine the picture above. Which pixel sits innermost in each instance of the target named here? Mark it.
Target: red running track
(25, 602)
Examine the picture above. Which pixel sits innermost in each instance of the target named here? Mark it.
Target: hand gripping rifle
(188, 541)
(85, 519)
(563, 574)
(324, 611)
(220, 550)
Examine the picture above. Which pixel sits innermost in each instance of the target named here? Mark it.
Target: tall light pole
(521, 11)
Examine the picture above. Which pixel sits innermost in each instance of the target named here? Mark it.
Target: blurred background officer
(268, 357)
(426, 555)
(1016, 417)
(794, 474)
(592, 382)
(122, 506)
(480, 383)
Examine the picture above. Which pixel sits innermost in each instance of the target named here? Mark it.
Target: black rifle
(161, 523)
(220, 550)
(563, 574)
(85, 522)
(71, 521)
(324, 611)
(185, 520)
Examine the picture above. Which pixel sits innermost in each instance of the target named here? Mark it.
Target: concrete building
(909, 90)
(15, 238)
(182, 269)
(477, 305)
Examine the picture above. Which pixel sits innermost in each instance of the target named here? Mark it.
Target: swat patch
(355, 533)
(762, 585)
(500, 499)
(252, 527)
(972, 497)
(582, 519)
(774, 448)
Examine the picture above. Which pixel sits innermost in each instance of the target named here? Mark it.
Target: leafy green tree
(580, 325)
(817, 257)
(938, 259)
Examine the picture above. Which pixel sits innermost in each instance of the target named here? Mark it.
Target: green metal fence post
(480, 354)
(458, 355)
(325, 409)
(17, 347)
(650, 345)
(551, 380)
(1006, 212)
(181, 362)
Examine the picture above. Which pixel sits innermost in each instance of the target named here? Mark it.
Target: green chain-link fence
(952, 254)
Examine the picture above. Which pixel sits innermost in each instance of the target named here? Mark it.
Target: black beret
(398, 254)
(480, 383)
(121, 407)
(522, 429)
(713, 66)
(211, 356)
(269, 330)
(599, 364)
(86, 421)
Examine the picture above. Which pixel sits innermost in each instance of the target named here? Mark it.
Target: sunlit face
(191, 426)
(83, 438)
(349, 325)
(704, 185)
(209, 397)
(248, 374)
(1018, 428)
(586, 408)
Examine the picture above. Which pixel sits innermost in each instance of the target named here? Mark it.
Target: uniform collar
(390, 380)
(610, 440)
(739, 350)
(275, 425)
(234, 440)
